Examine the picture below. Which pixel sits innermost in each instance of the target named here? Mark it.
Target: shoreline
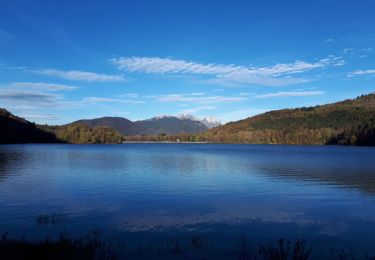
(161, 142)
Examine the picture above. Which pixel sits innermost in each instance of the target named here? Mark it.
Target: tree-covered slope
(82, 134)
(119, 124)
(347, 122)
(14, 130)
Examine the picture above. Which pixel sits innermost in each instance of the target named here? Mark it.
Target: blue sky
(65, 60)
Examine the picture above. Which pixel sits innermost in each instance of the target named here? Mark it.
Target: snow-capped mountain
(160, 117)
(187, 116)
(167, 124)
(211, 122)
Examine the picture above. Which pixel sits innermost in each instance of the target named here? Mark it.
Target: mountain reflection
(350, 169)
(8, 157)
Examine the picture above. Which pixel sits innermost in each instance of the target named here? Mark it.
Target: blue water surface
(138, 194)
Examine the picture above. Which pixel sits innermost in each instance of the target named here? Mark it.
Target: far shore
(161, 142)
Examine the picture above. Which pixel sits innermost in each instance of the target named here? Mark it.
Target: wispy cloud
(78, 75)
(357, 52)
(367, 49)
(198, 94)
(291, 94)
(196, 109)
(19, 98)
(362, 72)
(246, 94)
(277, 75)
(39, 117)
(110, 100)
(197, 99)
(128, 95)
(32, 99)
(40, 86)
(329, 40)
(348, 50)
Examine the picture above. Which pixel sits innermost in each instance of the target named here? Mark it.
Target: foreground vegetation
(92, 247)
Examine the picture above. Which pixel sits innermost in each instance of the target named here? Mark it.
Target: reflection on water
(147, 191)
(7, 157)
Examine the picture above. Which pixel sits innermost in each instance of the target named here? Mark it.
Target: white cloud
(25, 99)
(128, 95)
(246, 94)
(39, 117)
(330, 40)
(362, 72)
(360, 53)
(277, 75)
(233, 80)
(110, 100)
(291, 94)
(195, 99)
(196, 109)
(348, 50)
(41, 86)
(198, 94)
(79, 75)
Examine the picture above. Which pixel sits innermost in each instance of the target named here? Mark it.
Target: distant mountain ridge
(210, 122)
(349, 122)
(165, 124)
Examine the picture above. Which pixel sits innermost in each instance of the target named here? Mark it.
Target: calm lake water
(150, 194)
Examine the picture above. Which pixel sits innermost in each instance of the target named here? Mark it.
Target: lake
(146, 196)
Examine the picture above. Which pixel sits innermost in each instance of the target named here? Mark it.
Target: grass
(281, 250)
(89, 247)
(198, 247)
(52, 219)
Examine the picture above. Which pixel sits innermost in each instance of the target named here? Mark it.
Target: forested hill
(14, 129)
(350, 122)
(120, 124)
(83, 134)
